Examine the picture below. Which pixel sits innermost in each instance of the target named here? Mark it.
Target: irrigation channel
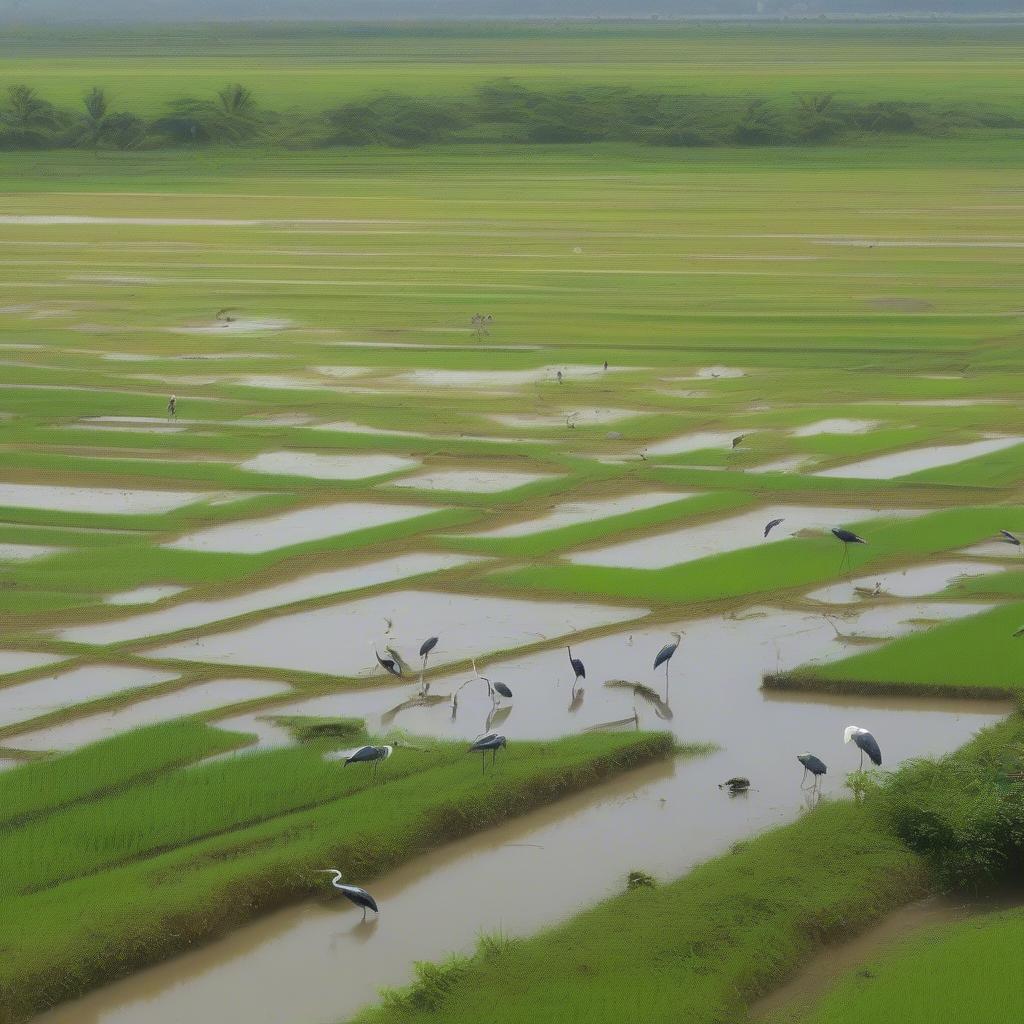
(318, 963)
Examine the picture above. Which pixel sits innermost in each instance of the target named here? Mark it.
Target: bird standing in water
(357, 895)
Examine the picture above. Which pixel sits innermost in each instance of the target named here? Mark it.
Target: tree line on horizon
(496, 112)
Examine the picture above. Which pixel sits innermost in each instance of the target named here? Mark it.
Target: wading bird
(493, 742)
(738, 440)
(360, 897)
(664, 656)
(425, 648)
(811, 764)
(370, 755)
(222, 315)
(737, 784)
(172, 407)
(867, 743)
(771, 526)
(388, 664)
(497, 688)
(577, 667)
(847, 537)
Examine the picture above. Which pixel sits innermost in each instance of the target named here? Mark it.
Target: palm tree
(237, 101)
(232, 117)
(28, 120)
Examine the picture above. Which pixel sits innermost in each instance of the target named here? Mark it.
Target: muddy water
(93, 499)
(914, 582)
(190, 614)
(341, 639)
(916, 460)
(732, 533)
(315, 964)
(63, 690)
(192, 700)
(573, 512)
(327, 467)
(473, 481)
(255, 536)
(828, 967)
(835, 426)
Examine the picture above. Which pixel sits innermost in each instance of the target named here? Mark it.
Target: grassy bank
(701, 948)
(975, 657)
(106, 886)
(695, 950)
(957, 973)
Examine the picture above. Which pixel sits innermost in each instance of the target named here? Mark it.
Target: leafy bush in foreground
(964, 812)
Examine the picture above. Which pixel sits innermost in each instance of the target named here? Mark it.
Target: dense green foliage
(501, 111)
(963, 812)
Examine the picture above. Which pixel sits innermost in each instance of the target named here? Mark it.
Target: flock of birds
(492, 742)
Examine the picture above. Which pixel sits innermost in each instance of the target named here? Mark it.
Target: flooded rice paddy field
(247, 557)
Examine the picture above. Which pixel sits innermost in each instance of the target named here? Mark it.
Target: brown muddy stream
(315, 964)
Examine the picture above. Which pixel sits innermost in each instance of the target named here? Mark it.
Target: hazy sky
(193, 10)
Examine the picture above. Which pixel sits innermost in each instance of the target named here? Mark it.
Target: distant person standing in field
(172, 407)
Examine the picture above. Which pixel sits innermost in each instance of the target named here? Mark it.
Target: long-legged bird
(814, 765)
(359, 896)
(370, 755)
(388, 664)
(847, 537)
(425, 648)
(493, 742)
(865, 741)
(664, 656)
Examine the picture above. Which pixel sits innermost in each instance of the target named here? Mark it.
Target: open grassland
(124, 875)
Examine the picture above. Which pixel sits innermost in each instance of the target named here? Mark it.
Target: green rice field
(518, 398)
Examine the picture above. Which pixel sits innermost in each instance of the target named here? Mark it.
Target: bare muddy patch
(253, 536)
(191, 614)
(340, 640)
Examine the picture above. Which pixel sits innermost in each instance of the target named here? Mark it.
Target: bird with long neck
(664, 656)
(354, 893)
